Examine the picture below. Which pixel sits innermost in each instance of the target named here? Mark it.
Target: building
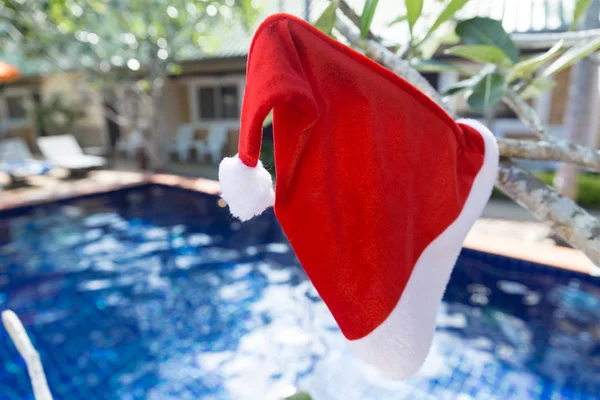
(203, 103)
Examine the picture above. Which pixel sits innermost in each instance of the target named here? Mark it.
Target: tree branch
(524, 111)
(116, 118)
(554, 150)
(572, 222)
(559, 212)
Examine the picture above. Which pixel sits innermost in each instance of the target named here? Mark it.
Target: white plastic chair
(64, 151)
(184, 141)
(213, 144)
(135, 141)
(130, 143)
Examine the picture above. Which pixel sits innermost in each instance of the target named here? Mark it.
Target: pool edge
(110, 180)
(546, 254)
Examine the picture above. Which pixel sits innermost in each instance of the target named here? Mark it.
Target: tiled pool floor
(156, 293)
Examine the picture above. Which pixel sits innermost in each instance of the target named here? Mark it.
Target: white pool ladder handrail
(18, 335)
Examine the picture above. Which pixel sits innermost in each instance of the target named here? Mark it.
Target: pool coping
(38, 196)
(545, 254)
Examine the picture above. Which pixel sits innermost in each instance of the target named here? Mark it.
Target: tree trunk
(156, 142)
(160, 145)
(580, 108)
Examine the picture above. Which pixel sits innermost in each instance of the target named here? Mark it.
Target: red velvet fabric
(369, 169)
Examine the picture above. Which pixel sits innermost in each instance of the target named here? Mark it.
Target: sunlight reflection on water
(160, 295)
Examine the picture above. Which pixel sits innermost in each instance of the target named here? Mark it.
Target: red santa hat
(376, 185)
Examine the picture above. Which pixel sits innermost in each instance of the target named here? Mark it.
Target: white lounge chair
(16, 159)
(184, 142)
(64, 151)
(213, 144)
(14, 149)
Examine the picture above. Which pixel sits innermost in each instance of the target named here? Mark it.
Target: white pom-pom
(248, 191)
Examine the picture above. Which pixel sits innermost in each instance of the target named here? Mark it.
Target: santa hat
(376, 185)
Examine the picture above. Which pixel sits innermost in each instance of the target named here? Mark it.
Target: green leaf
(144, 85)
(481, 53)
(268, 120)
(366, 17)
(398, 20)
(99, 7)
(481, 30)
(532, 64)
(580, 8)
(429, 47)
(462, 85)
(434, 66)
(413, 12)
(488, 91)
(299, 396)
(536, 88)
(445, 36)
(326, 21)
(174, 69)
(570, 57)
(447, 13)
(451, 38)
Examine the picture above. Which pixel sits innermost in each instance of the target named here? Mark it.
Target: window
(229, 100)
(218, 102)
(15, 107)
(207, 103)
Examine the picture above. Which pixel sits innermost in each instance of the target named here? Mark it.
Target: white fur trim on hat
(248, 191)
(400, 345)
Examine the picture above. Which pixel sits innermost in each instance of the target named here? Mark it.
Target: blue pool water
(156, 293)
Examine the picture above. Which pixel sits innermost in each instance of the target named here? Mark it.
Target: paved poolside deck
(505, 228)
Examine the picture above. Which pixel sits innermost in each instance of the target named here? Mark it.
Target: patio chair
(64, 151)
(17, 161)
(131, 143)
(213, 144)
(184, 142)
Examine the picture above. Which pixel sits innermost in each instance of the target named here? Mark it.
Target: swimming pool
(157, 293)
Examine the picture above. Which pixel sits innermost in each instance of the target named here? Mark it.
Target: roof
(524, 15)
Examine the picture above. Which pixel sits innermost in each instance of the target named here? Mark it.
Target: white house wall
(91, 129)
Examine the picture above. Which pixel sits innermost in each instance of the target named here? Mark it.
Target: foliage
(366, 18)
(115, 35)
(483, 41)
(487, 31)
(447, 13)
(570, 57)
(56, 116)
(267, 156)
(580, 7)
(299, 396)
(413, 12)
(481, 53)
(488, 91)
(326, 21)
(530, 65)
(133, 44)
